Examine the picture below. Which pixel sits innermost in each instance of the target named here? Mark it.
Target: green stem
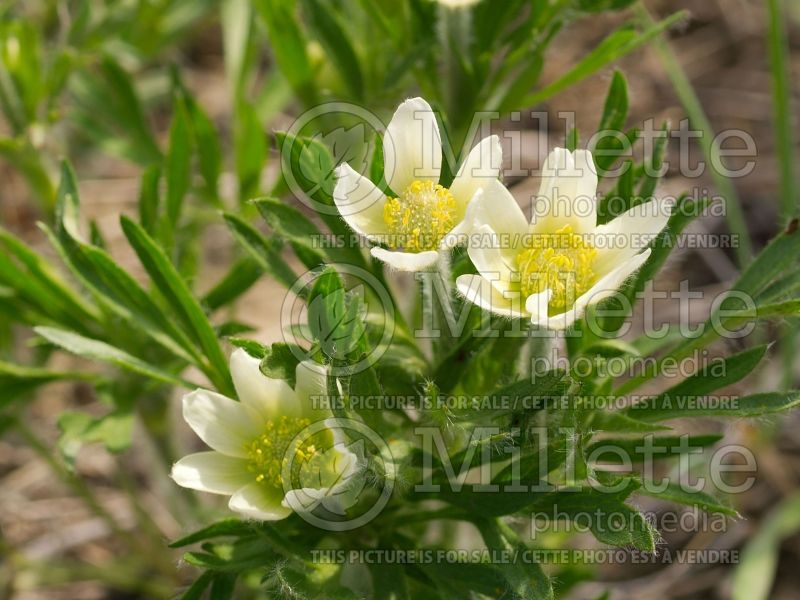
(157, 432)
(697, 118)
(128, 485)
(784, 142)
(782, 121)
(436, 281)
(72, 481)
(423, 517)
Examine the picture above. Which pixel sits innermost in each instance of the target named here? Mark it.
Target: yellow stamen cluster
(420, 218)
(561, 261)
(270, 451)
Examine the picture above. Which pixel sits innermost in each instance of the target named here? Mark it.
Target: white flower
(458, 3)
(253, 440)
(551, 269)
(423, 218)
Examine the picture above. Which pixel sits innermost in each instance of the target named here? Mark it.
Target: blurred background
(97, 81)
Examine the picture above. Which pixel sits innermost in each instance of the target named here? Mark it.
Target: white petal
(629, 233)
(412, 147)
(223, 424)
(567, 192)
(492, 260)
(481, 166)
(482, 293)
(267, 397)
(260, 502)
(211, 472)
(537, 304)
(332, 484)
(558, 322)
(311, 387)
(360, 202)
(496, 207)
(406, 261)
(601, 290)
(303, 500)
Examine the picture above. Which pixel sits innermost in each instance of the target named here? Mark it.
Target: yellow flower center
(561, 261)
(420, 218)
(273, 449)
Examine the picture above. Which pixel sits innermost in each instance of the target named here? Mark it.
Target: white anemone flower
(253, 440)
(458, 3)
(423, 217)
(551, 269)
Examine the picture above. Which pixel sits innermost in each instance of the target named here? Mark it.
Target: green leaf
(753, 578)
(376, 166)
(463, 579)
(245, 553)
(617, 44)
(779, 257)
(280, 362)
(612, 450)
(675, 493)
(114, 431)
(535, 462)
(223, 586)
(653, 165)
(779, 59)
(289, 46)
(243, 274)
(40, 284)
(311, 165)
(615, 110)
(623, 197)
(335, 40)
(780, 289)
(195, 591)
(207, 146)
(68, 202)
(527, 395)
(149, 199)
(236, 18)
(18, 380)
(265, 251)
(250, 150)
(612, 348)
(519, 85)
(96, 237)
(745, 406)
(28, 161)
(308, 168)
(178, 165)
(226, 527)
(98, 350)
(683, 213)
(598, 6)
(707, 139)
(292, 225)
(389, 581)
(171, 285)
(112, 285)
(790, 308)
(679, 400)
(621, 423)
(334, 317)
(524, 579)
(611, 520)
(109, 110)
(572, 139)
(232, 328)
(115, 289)
(252, 347)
